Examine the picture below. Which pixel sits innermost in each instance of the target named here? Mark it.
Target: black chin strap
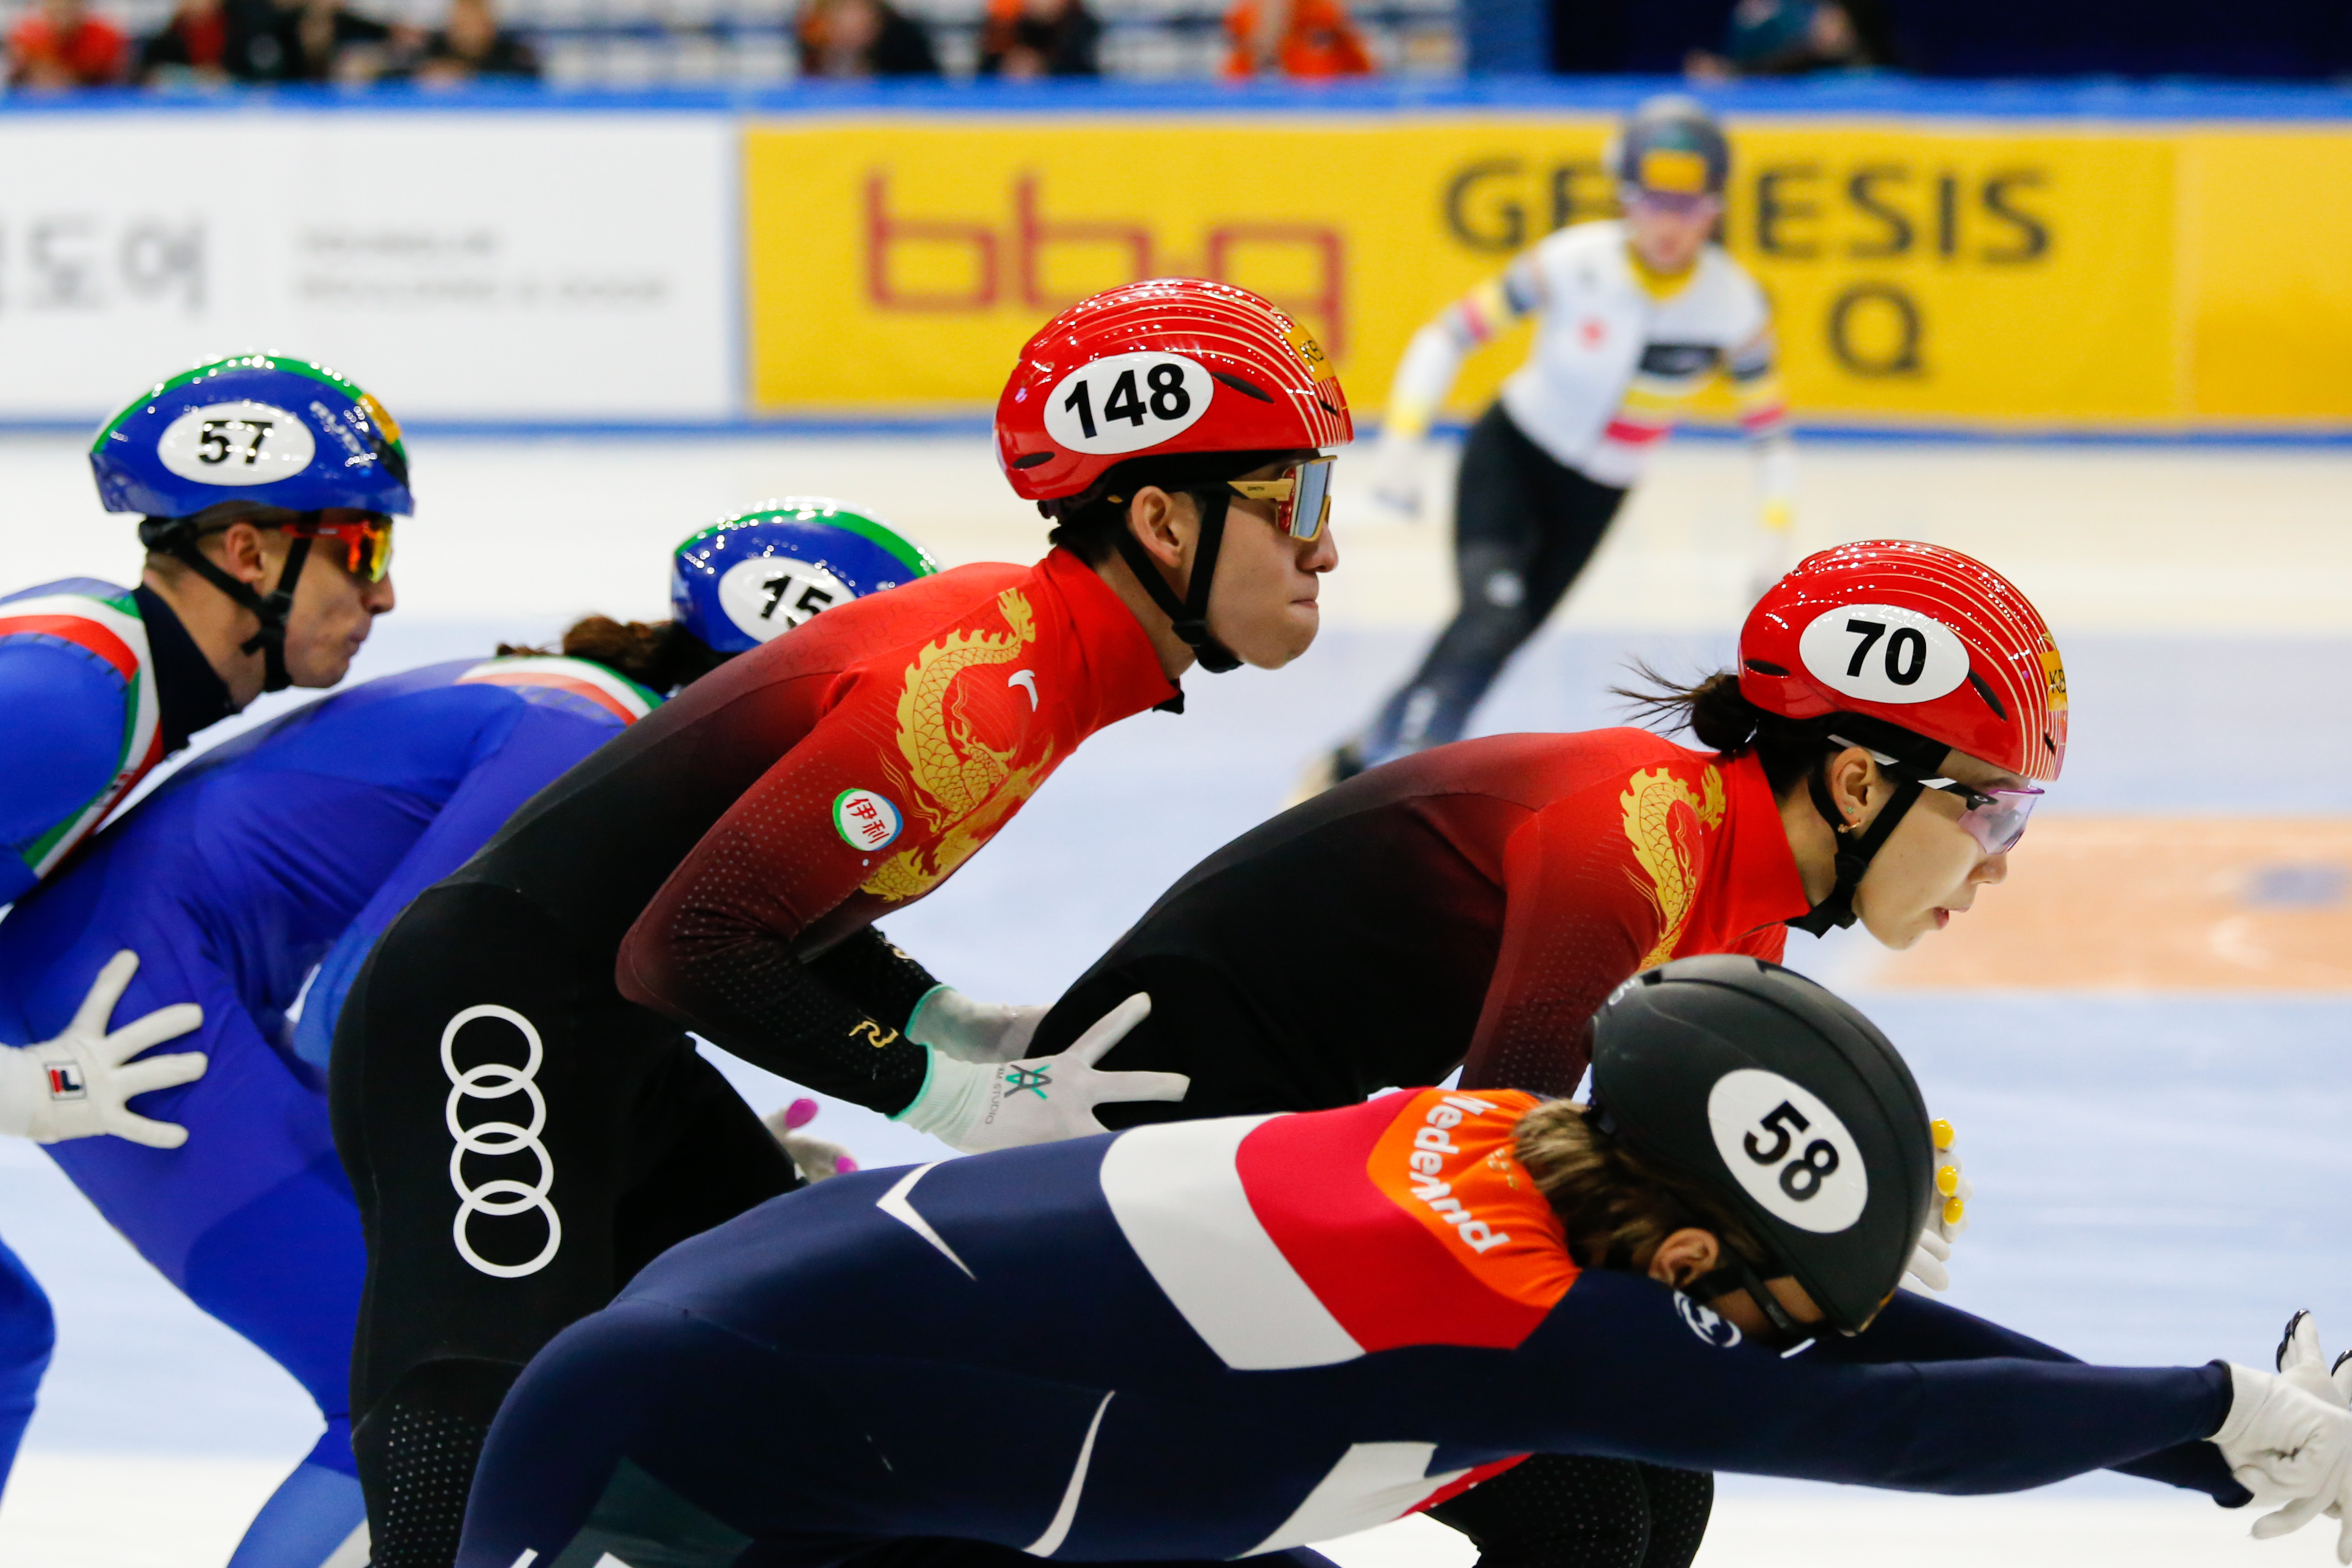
(1854, 855)
(177, 536)
(1189, 617)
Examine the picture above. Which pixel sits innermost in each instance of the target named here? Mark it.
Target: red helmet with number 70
(1915, 636)
(1167, 367)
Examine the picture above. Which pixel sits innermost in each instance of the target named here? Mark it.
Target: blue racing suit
(98, 684)
(287, 848)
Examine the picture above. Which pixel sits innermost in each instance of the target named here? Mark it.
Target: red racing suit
(731, 857)
(1469, 905)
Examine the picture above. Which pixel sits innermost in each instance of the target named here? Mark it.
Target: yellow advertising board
(1921, 272)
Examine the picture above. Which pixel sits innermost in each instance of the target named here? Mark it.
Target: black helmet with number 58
(1787, 1104)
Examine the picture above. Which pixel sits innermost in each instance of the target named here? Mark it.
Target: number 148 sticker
(1127, 403)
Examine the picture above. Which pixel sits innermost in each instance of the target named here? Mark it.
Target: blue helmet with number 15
(754, 576)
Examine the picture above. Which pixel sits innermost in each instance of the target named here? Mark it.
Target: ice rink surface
(2160, 1153)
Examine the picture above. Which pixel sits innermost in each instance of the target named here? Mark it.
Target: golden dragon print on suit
(962, 786)
(1666, 846)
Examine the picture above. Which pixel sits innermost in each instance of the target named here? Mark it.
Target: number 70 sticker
(1127, 403)
(1883, 653)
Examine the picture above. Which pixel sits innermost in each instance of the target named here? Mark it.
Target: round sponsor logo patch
(1880, 653)
(769, 595)
(236, 444)
(1787, 1148)
(1706, 1323)
(864, 820)
(1125, 403)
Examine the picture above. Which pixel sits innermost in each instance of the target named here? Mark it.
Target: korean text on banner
(558, 267)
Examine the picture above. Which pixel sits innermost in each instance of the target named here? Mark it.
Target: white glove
(2301, 1362)
(976, 1106)
(2286, 1444)
(76, 1085)
(1925, 1270)
(817, 1159)
(1397, 475)
(953, 1025)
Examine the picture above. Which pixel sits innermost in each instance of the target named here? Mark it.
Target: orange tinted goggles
(366, 539)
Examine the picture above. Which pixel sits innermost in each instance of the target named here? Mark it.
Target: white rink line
(89, 1511)
(1834, 1528)
(2104, 538)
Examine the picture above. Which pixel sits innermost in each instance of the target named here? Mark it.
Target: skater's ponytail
(1719, 718)
(661, 655)
(1614, 1206)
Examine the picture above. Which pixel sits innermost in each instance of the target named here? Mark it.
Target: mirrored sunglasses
(366, 540)
(1302, 498)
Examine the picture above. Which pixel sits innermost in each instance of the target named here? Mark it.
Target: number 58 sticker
(1125, 403)
(1788, 1149)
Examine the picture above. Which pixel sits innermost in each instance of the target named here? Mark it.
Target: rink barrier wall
(2008, 262)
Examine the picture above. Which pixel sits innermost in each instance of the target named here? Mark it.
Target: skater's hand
(2289, 1445)
(976, 1106)
(78, 1085)
(816, 1159)
(954, 1024)
(1925, 1270)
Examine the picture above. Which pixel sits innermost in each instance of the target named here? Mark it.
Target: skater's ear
(1165, 523)
(1684, 1257)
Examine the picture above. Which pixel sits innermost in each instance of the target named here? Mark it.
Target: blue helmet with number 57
(268, 429)
(748, 578)
(1789, 1108)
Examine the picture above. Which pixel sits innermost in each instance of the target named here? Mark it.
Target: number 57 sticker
(243, 444)
(1789, 1149)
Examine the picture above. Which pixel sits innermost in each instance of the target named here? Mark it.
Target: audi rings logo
(497, 1080)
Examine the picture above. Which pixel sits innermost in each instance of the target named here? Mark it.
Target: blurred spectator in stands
(471, 44)
(313, 40)
(1295, 38)
(1026, 38)
(192, 48)
(59, 44)
(847, 39)
(1793, 37)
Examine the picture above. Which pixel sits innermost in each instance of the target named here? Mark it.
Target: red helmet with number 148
(1183, 385)
(1163, 368)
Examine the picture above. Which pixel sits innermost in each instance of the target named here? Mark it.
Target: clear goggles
(1995, 818)
(1301, 498)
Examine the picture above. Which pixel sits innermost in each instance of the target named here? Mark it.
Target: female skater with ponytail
(1873, 758)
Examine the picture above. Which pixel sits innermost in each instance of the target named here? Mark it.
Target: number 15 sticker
(1127, 403)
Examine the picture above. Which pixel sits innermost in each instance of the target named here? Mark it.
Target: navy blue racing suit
(1218, 1339)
